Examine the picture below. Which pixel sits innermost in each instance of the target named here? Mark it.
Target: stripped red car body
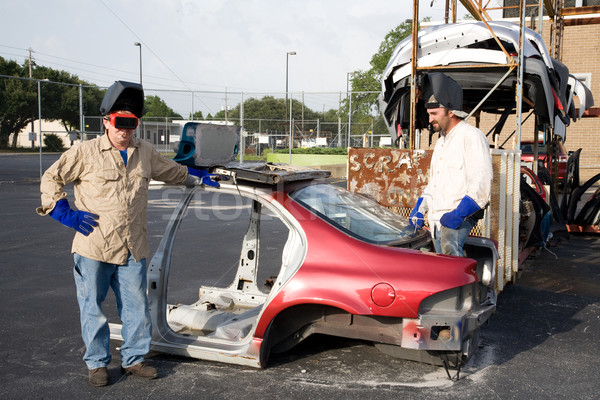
(348, 268)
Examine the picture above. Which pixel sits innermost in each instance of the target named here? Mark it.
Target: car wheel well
(291, 326)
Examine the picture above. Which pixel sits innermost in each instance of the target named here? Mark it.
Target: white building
(24, 138)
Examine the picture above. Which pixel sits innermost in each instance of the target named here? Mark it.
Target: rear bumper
(445, 332)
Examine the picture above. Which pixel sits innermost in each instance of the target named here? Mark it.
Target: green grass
(24, 150)
(314, 150)
(252, 157)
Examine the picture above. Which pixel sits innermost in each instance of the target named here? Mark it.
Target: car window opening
(226, 304)
(359, 216)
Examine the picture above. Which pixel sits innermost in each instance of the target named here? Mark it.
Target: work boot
(141, 370)
(98, 376)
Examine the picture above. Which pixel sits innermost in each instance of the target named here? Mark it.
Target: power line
(145, 44)
(103, 67)
(11, 47)
(95, 74)
(106, 78)
(151, 50)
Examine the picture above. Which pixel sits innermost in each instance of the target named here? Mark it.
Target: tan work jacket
(117, 194)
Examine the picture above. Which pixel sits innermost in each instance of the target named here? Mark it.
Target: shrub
(53, 143)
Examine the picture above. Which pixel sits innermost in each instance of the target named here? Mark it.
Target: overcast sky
(207, 45)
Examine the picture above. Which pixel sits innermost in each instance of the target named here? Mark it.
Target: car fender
(414, 276)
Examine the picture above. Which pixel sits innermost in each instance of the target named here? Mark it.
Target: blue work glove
(454, 219)
(82, 221)
(416, 215)
(206, 178)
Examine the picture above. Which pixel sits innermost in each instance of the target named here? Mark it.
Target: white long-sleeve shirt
(461, 165)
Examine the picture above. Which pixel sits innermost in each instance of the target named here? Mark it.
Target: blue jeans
(451, 241)
(128, 282)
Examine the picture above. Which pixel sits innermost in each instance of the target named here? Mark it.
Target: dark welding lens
(126, 122)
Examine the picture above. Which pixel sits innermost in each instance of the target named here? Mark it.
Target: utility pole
(339, 115)
(81, 122)
(30, 70)
(226, 106)
(349, 94)
(33, 117)
(192, 112)
(302, 112)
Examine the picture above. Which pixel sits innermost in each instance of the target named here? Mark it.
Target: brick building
(580, 51)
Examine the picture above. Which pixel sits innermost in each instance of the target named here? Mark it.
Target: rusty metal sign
(393, 177)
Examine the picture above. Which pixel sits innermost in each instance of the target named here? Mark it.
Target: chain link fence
(268, 120)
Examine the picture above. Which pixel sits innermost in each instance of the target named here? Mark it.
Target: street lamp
(39, 88)
(291, 139)
(140, 46)
(287, 56)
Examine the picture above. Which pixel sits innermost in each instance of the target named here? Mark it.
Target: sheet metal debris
(272, 174)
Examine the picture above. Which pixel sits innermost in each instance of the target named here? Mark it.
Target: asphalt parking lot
(542, 342)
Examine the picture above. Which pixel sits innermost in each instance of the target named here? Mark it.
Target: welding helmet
(439, 90)
(123, 96)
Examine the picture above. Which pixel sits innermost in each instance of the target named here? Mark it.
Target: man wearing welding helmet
(110, 175)
(461, 169)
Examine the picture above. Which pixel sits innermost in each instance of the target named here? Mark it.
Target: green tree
(264, 114)
(59, 98)
(197, 116)
(267, 114)
(157, 108)
(17, 100)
